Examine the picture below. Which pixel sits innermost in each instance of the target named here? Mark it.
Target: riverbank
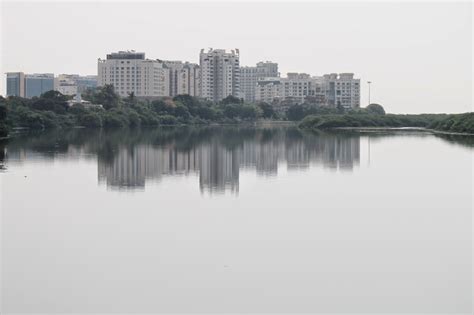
(417, 129)
(462, 124)
(54, 110)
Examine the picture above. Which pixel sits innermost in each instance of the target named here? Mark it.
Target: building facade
(16, 84)
(38, 83)
(72, 84)
(268, 90)
(248, 83)
(331, 90)
(220, 74)
(86, 82)
(184, 78)
(342, 90)
(129, 71)
(250, 75)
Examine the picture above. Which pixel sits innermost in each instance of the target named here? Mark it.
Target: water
(225, 219)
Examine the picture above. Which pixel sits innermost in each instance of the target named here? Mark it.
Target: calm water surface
(225, 219)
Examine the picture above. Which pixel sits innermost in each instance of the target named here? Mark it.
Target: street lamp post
(368, 82)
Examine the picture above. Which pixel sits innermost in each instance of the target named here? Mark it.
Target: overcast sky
(418, 55)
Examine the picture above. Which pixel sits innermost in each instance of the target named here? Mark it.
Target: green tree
(231, 100)
(107, 97)
(295, 112)
(375, 109)
(90, 119)
(267, 110)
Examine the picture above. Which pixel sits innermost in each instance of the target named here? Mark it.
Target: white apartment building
(250, 75)
(220, 74)
(129, 71)
(65, 85)
(342, 90)
(248, 83)
(329, 90)
(184, 78)
(268, 90)
(296, 86)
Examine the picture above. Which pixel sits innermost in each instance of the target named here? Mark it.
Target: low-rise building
(72, 84)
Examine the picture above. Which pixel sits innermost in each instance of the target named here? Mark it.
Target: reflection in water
(218, 156)
(2, 156)
(127, 159)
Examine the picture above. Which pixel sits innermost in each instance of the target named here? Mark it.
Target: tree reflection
(127, 159)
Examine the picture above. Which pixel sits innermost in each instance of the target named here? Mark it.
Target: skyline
(404, 68)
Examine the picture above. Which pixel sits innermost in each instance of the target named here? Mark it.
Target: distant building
(38, 83)
(248, 83)
(29, 85)
(184, 78)
(296, 86)
(86, 104)
(342, 90)
(72, 84)
(220, 74)
(268, 89)
(129, 71)
(65, 84)
(86, 82)
(250, 75)
(330, 90)
(16, 84)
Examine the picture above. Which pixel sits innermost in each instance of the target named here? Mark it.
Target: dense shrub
(91, 120)
(167, 120)
(452, 123)
(51, 110)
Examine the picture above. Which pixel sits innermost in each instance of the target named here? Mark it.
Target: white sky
(418, 55)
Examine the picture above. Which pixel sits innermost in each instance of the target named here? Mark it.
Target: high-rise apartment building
(129, 71)
(250, 75)
(248, 83)
(220, 74)
(296, 86)
(184, 78)
(16, 84)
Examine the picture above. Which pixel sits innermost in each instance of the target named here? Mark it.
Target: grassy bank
(460, 123)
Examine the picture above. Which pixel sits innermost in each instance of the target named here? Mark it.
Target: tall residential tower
(220, 74)
(250, 75)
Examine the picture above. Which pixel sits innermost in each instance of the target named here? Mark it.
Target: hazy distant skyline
(418, 55)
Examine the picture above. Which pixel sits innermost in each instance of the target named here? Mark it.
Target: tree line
(52, 110)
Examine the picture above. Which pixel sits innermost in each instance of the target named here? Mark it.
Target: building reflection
(128, 159)
(218, 158)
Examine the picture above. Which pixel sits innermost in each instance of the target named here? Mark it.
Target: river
(236, 219)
